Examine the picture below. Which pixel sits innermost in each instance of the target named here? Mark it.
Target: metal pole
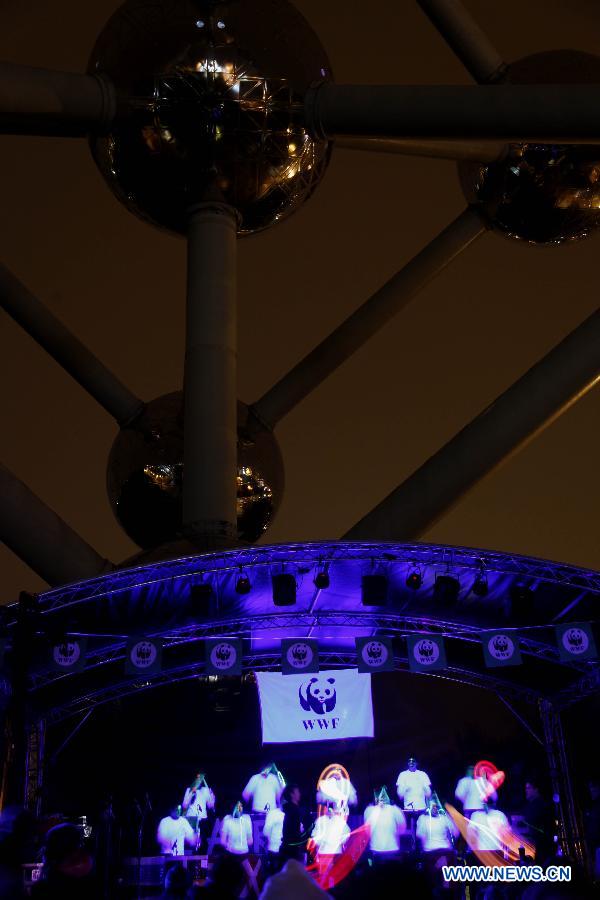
(464, 36)
(44, 102)
(471, 151)
(41, 538)
(210, 405)
(368, 319)
(510, 112)
(34, 766)
(570, 837)
(536, 400)
(67, 350)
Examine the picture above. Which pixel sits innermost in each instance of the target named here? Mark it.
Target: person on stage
(414, 790)
(437, 833)
(273, 834)
(473, 792)
(386, 824)
(487, 829)
(296, 825)
(336, 791)
(197, 800)
(174, 832)
(236, 831)
(264, 789)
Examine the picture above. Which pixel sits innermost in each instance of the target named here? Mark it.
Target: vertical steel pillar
(210, 389)
(570, 835)
(34, 765)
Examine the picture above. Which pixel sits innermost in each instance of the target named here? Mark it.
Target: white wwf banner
(327, 706)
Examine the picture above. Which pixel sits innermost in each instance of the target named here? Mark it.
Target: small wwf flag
(500, 648)
(299, 656)
(375, 654)
(576, 641)
(426, 652)
(223, 656)
(143, 655)
(68, 654)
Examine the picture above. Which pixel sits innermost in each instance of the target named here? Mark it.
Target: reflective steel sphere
(217, 92)
(541, 193)
(145, 475)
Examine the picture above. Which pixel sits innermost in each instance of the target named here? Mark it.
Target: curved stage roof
(187, 600)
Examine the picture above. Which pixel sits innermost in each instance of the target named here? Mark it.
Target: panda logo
(66, 654)
(501, 647)
(318, 695)
(426, 652)
(143, 654)
(575, 641)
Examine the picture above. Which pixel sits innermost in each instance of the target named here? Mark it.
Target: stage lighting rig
(321, 579)
(242, 584)
(414, 579)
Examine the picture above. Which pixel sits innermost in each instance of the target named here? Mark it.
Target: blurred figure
(226, 879)
(67, 867)
(174, 832)
(329, 837)
(486, 829)
(264, 789)
(177, 883)
(296, 825)
(197, 800)
(386, 826)
(336, 791)
(273, 834)
(236, 831)
(414, 790)
(292, 883)
(539, 821)
(437, 833)
(473, 792)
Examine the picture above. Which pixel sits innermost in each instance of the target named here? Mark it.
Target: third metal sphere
(145, 475)
(541, 193)
(210, 93)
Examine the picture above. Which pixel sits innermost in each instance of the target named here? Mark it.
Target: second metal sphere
(541, 193)
(212, 92)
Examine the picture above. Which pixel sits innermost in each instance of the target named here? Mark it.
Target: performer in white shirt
(273, 833)
(236, 831)
(335, 790)
(436, 832)
(386, 826)
(473, 792)
(197, 800)
(330, 833)
(486, 830)
(174, 832)
(413, 787)
(264, 789)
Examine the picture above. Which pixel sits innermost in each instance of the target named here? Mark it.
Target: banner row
(426, 652)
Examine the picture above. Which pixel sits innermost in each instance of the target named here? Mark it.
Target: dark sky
(119, 285)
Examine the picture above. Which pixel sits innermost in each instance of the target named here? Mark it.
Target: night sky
(119, 284)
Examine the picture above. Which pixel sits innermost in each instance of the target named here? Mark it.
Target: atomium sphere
(145, 475)
(211, 93)
(541, 193)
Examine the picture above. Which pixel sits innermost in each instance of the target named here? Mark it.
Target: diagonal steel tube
(368, 319)
(67, 350)
(472, 151)
(551, 113)
(532, 403)
(465, 38)
(38, 536)
(45, 102)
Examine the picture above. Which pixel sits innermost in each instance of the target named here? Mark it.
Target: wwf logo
(143, 654)
(318, 695)
(426, 652)
(375, 654)
(66, 654)
(299, 655)
(501, 646)
(223, 656)
(575, 641)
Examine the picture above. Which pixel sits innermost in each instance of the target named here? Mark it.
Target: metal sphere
(218, 98)
(541, 193)
(145, 475)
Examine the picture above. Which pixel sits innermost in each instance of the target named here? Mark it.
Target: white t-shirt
(173, 834)
(486, 829)
(472, 791)
(273, 829)
(264, 790)
(330, 834)
(339, 791)
(387, 823)
(436, 832)
(236, 833)
(413, 789)
(199, 800)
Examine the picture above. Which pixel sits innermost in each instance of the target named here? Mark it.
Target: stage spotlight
(374, 590)
(242, 585)
(446, 589)
(480, 585)
(284, 589)
(322, 580)
(414, 580)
